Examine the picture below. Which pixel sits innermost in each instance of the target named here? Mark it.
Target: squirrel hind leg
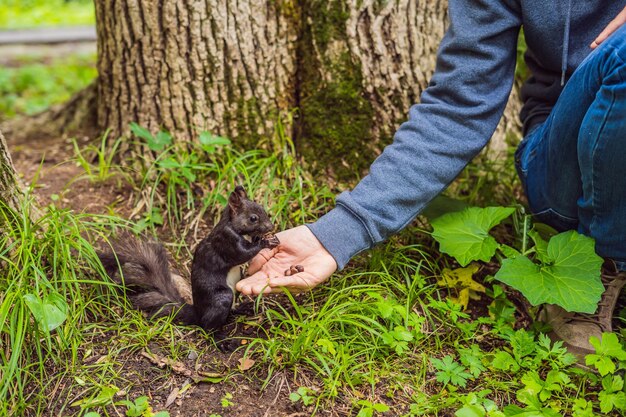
(215, 317)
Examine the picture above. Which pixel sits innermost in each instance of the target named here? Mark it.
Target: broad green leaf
(400, 333)
(582, 408)
(504, 361)
(569, 275)
(541, 246)
(207, 139)
(380, 407)
(470, 411)
(210, 142)
(603, 364)
(610, 401)
(155, 143)
(141, 132)
(50, 312)
(523, 344)
(608, 346)
(509, 251)
(162, 140)
(465, 234)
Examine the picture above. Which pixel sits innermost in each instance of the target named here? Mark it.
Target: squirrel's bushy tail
(143, 268)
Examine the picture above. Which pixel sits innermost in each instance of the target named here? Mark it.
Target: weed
(103, 155)
(369, 409)
(141, 408)
(226, 400)
(305, 395)
(47, 290)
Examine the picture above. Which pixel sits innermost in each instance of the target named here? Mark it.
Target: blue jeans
(573, 166)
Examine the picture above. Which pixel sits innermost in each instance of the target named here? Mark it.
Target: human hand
(613, 25)
(298, 246)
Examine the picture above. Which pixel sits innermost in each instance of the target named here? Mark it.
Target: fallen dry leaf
(245, 364)
(171, 398)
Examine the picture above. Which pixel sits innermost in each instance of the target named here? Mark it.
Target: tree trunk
(364, 64)
(191, 65)
(10, 192)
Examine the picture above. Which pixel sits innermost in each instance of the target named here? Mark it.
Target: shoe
(575, 329)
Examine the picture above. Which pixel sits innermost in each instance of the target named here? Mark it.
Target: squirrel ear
(235, 200)
(241, 191)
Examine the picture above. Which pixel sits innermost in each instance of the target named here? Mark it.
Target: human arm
(457, 115)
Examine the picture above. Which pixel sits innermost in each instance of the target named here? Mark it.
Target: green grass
(16, 14)
(52, 262)
(32, 87)
(382, 333)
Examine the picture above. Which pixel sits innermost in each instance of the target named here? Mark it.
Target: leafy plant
(450, 371)
(368, 409)
(612, 395)
(501, 309)
(607, 349)
(534, 385)
(476, 405)
(49, 312)
(568, 274)
(472, 359)
(398, 339)
(465, 234)
(226, 400)
(304, 394)
(141, 408)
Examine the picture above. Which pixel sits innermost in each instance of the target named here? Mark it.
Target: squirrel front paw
(270, 241)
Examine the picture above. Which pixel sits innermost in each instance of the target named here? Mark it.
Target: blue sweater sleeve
(456, 117)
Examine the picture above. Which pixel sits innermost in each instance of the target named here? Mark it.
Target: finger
(613, 25)
(261, 259)
(245, 285)
(259, 283)
(253, 287)
(295, 281)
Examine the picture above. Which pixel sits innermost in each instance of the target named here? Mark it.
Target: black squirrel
(243, 230)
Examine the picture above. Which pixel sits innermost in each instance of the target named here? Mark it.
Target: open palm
(298, 246)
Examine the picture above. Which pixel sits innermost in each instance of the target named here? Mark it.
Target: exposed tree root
(77, 115)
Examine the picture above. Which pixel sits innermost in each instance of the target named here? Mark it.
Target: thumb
(261, 259)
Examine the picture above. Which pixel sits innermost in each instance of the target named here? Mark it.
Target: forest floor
(237, 391)
(391, 335)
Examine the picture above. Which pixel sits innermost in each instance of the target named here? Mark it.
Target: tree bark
(191, 65)
(10, 192)
(364, 64)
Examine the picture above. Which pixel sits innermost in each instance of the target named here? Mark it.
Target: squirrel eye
(254, 218)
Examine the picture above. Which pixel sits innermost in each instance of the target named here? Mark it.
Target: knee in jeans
(615, 42)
